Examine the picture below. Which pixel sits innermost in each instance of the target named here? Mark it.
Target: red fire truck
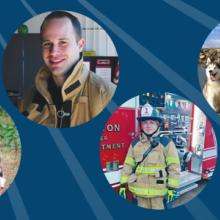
(184, 122)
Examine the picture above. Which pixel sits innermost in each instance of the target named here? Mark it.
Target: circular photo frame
(209, 69)
(10, 151)
(65, 69)
(158, 150)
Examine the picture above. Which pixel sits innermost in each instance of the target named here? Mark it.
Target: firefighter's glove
(171, 195)
(122, 192)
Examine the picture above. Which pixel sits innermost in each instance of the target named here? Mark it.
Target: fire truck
(184, 122)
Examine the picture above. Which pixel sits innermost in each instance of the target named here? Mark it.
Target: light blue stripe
(167, 73)
(28, 7)
(162, 68)
(2, 42)
(112, 106)
(199, 210)
(193, 13)
(17, 203)
(92, 197)
(13, 192)
(82, 179)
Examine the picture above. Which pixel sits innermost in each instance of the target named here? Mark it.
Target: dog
(211, 89)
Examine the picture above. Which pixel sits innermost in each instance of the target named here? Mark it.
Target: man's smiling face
(60, 46)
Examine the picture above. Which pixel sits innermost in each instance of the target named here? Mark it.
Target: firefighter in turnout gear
(151, 168)
(66, 94)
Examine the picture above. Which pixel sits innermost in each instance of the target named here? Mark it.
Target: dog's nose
(210, 71)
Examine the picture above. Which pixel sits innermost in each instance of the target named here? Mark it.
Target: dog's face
(212, 70)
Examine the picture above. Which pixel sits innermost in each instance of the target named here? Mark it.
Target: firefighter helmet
(147, 112)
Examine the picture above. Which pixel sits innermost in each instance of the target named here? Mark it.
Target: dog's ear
(208, 61)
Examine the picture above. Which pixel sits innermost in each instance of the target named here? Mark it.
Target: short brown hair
(62, 14)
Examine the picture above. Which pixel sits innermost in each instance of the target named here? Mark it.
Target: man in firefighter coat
(151, 167)
(67, 94)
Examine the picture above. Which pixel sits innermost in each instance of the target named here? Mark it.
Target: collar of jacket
(144, 138)
(71, 87)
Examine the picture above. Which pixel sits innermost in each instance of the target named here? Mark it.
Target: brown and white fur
(211, 88)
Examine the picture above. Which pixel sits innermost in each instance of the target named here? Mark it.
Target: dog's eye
(218, 65)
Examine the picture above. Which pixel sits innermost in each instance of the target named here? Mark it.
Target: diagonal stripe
(88, 9)
(3, 42)
(17, 203)
(196, 206)
(169, 74)
(193, 13)
(28, 7)
(92, 197)
(112, 106)
(13, 192)
(98, 207)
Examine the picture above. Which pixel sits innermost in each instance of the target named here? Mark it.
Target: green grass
(10, 148)
(10, 160)
(9, 136)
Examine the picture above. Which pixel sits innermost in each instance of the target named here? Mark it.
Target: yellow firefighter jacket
(84, 95)
(158, 171)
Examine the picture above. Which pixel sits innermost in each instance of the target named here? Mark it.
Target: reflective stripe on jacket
(158, 171)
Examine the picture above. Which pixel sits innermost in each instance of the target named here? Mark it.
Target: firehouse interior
(184, 122)
(24, 51)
